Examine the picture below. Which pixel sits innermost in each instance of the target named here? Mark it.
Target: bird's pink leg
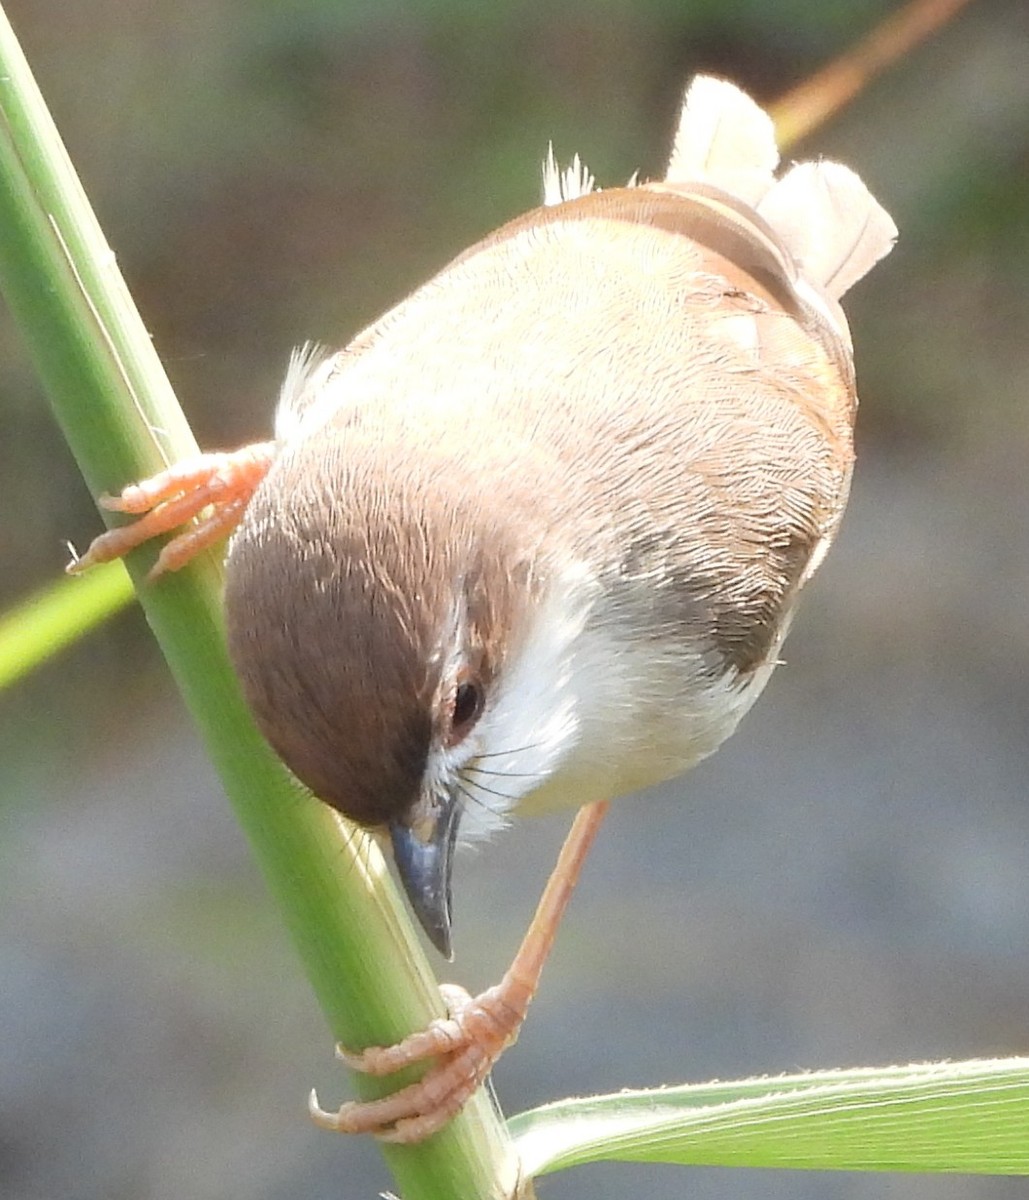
(468, 1042)
(223, 483)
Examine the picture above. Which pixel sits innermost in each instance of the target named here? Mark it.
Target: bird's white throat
(580, 712)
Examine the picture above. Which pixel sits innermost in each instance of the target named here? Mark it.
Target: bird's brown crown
(366, 617)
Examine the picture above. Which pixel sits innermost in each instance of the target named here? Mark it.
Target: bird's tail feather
(833, 227)
(830, 222)
(724, 139)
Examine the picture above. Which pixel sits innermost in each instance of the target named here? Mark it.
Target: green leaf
(970, 1117)
(58, 615)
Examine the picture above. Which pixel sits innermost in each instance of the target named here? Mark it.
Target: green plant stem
(118, 412)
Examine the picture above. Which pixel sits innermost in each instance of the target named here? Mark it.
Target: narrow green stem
(120, 417)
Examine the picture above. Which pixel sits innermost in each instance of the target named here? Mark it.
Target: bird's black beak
(424, 861)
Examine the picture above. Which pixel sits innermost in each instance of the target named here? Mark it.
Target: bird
(533, 540)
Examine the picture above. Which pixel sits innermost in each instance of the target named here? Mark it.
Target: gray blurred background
(847, 882)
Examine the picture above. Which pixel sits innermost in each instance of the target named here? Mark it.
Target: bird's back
(624, 341)
(675, 356)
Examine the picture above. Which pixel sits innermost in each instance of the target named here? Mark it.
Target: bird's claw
(439, 1037)
(222, 483)
(465, 1046)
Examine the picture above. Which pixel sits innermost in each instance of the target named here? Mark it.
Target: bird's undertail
(833, 227)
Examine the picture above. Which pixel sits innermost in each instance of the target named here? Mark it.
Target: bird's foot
(465, 1046)
(222, 483)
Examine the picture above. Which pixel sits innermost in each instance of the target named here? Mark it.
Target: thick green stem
(121, 419)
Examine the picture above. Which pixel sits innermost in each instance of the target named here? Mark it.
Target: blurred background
(846, 882)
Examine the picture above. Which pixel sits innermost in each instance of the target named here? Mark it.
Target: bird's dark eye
(468, 704)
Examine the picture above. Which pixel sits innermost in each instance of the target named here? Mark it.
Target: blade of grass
(120, 417)
(969, 1117)
(56, 616)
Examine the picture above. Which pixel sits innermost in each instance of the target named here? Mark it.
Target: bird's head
(388, 639)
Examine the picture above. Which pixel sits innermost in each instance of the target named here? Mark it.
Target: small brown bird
(535, 537)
